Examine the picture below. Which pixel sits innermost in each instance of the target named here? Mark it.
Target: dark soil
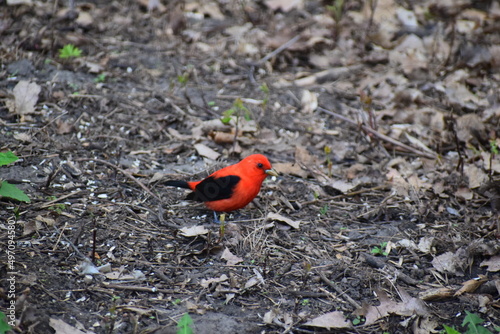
(94, 154)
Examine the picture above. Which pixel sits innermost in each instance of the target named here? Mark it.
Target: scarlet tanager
(232, 187)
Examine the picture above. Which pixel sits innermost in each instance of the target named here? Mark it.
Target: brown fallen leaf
(477, 177)
(276, 216)
(471, 285)
(63, 127)
(84, 19)
(303, 156)
(220, 137)
(451, 263)
(399, 184)
(25, 97)
(230, 257)
(23, 136)
(193, 231)
(342, 186)
(62, 327)
(30, 227)
(407, 307)
(464, 193)
(330, 320)
(436, 294)
(206, 282)
(46, 220)
(290, 168)
(285, 5)
(206, 151)
(492, 263)
(269, 316)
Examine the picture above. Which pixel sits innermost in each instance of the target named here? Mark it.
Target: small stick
(380, 135)
(77, 251)
(336, 288)
(94, 240)
(137, 288)
(47, 204)
(269, 56)
(60, 235)
(278, 50)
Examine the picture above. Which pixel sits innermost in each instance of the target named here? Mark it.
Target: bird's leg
(222, 225)
(216, 218)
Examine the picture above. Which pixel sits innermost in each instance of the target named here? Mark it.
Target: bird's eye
(260, 165)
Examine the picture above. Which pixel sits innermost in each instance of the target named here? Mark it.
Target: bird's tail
(177, 183)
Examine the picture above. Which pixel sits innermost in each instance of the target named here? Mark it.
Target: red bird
(232, 187)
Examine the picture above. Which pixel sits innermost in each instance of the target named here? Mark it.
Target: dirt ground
(382, 118)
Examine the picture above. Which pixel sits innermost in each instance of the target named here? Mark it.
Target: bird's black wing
(214, 188)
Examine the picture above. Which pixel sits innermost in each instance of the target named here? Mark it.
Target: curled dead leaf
(471, 285)
(276, 216)
(436, 294)
(220, 137)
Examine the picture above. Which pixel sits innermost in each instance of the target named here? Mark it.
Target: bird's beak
(272, 172)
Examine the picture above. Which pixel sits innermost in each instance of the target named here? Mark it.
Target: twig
(362, 191)
(380, 135)
(124, 172)
(278, 50)
(281, 48)
(307, 294)
(137, 288)
(77, 251)
(94, 239)
(47, 204)
(339, 291)
(373, 6)
(60, 235)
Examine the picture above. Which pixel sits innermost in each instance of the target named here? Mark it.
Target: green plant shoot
(450, 330)
(9, 190)
(493, 146)
(380, 250)
(329, 163)
(69, 51)
(239, 109)
(100, 78)
(336, 9)
(356, 321)
(263, 88)
(4, 325)
(473, 322)
(7, 158)
(184, 324)
(183, 79)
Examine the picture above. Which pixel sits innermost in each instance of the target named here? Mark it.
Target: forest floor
(382, 118)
